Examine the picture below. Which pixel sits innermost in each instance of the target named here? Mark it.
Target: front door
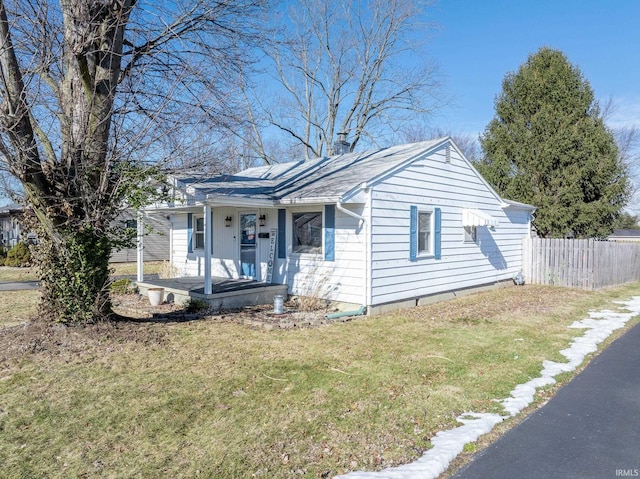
(248, 235)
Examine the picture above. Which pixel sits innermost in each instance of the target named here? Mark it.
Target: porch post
(207, 249)
(140, 251)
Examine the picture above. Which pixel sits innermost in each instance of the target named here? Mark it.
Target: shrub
(3, 255)
(19, 255)
(195, 305)
(122, 286)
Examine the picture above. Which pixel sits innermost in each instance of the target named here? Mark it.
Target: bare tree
(467, 143)
(346, 67)
(628, 141)
(93, 94)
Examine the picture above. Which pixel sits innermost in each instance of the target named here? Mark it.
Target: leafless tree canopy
(93, 93)
(89, 84)
(345, 67)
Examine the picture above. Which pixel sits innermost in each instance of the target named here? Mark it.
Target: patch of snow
(448, 444)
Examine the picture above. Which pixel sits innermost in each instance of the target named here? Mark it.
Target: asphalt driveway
(19, 285)
(589, 429)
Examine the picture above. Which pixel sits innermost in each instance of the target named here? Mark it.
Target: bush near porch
(212, 398)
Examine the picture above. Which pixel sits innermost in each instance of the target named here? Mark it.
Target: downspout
(339, 207)
(367, 266)
(368, 277)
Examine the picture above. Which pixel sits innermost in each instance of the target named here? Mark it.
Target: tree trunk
(75, 276)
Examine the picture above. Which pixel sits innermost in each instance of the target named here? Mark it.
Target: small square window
(307, 232)
(469, 234)
(132, 224)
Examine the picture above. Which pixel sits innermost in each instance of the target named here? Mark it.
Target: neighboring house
(10, 231)
(624, 235)
(156, 240)
(381, 228)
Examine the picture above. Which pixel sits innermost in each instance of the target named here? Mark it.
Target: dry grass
(216, 399)
(17, 306)
(9, 274)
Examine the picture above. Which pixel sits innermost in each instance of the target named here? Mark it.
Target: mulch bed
(261, 316)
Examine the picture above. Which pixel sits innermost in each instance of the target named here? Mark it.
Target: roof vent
(341, 146)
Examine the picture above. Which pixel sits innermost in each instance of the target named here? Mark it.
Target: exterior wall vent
(447, 154)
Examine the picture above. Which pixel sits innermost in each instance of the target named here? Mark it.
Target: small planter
(156, 296)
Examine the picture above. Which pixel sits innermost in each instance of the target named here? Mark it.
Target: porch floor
(226, 293)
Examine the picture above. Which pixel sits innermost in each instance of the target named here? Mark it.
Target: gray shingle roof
(322, 178)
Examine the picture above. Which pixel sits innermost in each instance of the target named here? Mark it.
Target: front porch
(225, 293)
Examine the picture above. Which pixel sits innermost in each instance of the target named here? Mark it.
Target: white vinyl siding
(339, 280)
(431, 183)
(155, 241)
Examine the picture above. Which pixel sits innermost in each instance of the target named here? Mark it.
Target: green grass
(215, 399)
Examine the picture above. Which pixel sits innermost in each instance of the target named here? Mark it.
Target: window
(199, 233)
(307, 233)
(469, 234)
(424, 232)
(133, 224)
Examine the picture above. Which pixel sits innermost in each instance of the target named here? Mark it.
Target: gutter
(339, 207)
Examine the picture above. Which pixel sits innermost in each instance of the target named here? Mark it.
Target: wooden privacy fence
(585, 264)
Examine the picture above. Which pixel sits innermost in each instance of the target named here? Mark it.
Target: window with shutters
(425, 232)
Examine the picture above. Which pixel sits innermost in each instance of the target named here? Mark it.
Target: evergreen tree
(548, 146)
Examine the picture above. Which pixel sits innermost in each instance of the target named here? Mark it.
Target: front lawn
(212, 398)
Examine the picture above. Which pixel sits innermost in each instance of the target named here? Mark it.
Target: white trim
(196, 217)
(140, 249)
(430, 253)
(207, 248)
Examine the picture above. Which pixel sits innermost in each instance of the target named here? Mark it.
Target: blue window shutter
(282, 233)
(437, 236)
(190, 232)
(329, 232)
(413, 233)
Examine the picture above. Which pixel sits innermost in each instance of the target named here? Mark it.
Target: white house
(381, 229)
(156, 238)
(10, 218)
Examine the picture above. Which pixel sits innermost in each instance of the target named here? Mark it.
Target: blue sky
(479, 42)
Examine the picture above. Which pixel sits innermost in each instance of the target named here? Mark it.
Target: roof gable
(321, 178)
